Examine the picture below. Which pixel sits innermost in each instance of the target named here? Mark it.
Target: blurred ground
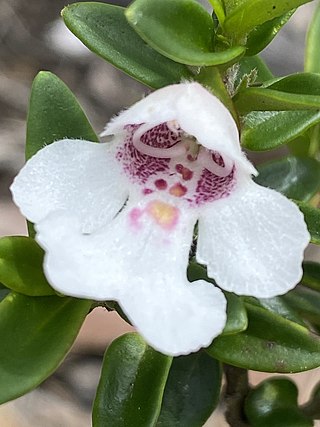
(32, 39)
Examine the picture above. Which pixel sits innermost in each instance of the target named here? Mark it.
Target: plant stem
(236, 391)
(211, 78)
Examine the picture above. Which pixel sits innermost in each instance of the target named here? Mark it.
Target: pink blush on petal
(134, 217)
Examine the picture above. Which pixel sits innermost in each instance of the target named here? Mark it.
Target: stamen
(161, 153)
(174, 126)
(205, 158)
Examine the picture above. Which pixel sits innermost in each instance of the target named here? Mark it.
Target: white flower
(116, 219)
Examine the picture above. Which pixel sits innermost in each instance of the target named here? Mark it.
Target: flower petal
(253, 241)
(79, 176)
(139, 259)
(198, 112)
(177, 317)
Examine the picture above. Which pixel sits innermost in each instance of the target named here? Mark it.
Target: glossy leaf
(192, 391)
(280, 306)
(182, 30)
(306, 302)
(297, 178)
(311, 275)
(244, 15)
(312, 52)
(263, 34)
(299, 83)
(21, 260)
(275, 403)
(299, 91)
(260, 99)
(35, 334)
(312, 219)
(237, 319)
(54, 113)
(104, 29)
(266, 130)
(131, 384)
(3, 292)
(269, 344)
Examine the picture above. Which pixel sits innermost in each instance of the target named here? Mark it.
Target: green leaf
(312, 52)
(275, 403)
(104, 29)
(312, 407)
(35, 334)
(295, 92)
(269, 344)
(295, 177)
(218, 8)
(182, 30)
(263, 34)
(266, 130)
(298, 83)
(253, 69)
(280, 306)
(312, 219)
(244, 15)
(3, 292)
(311, 275)
(54, 113)
(306, 302)
(300, 146)
(192, 391)
(21, 260)
(131, 386)
(237, 319)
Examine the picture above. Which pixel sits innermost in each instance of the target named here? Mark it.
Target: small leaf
(21, 260)
(311, 275)
(254, 68)
(275, 403)
(306, 302)
(312, 52)
(237, 319)
(297, 178)
(266, 130)
(104, 29)
(295, 92)
(182, 30)
(244, 15)
(312, 219)
(192, 391)
(35, 334)
(54, 113)
(269, 344)
(263, 34)
(131, 384)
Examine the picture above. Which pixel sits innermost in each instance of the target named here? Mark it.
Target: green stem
(236, 391)
(211, 78)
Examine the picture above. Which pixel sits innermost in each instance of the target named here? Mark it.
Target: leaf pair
(140, 387)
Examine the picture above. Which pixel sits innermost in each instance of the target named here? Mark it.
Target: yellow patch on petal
(163, 213)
